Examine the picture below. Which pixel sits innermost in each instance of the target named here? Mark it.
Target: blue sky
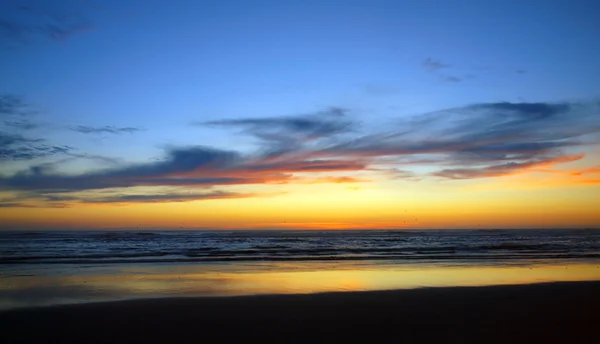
(132, 80)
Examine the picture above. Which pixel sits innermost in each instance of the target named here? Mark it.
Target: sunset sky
(299, 114)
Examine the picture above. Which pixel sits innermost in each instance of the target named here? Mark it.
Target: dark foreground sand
(542, 313)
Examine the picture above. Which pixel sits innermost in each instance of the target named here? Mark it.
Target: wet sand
(538, 313)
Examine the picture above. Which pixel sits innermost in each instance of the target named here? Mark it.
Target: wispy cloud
(178, 161)
(33, 200)
(475, 141)
(13, 145)
(282, 135)
(437, 68)
(453, 79)
(173, 197)
(18, 116)
(503, 169)
(17, 147)
(10, 204)
(12, 105)
(193, 166)
(94, 157)
(586, 175)
(22, 124)
(84, 129)
(62, 31)
(20, 25)
(337, 180)
(434, 65)
(586, 171)
(19, 203)
(301, 128)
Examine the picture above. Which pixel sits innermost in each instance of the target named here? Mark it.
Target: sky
(299, 114)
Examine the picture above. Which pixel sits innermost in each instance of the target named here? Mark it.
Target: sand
(539, 313)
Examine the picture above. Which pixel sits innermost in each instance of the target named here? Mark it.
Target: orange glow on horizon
(536, 198)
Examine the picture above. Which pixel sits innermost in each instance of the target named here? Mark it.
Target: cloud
(13, 105)
(337, 180)
(335, 111)
(19, 204)
(282, 135)
(527, 109)
(62, 31)
(94, 157)
(17, 147)
(301, 128)
(103, 130)
(586, 175)
(586, 171)
(434, 65)
(293, 165)
(22, 124)
(502, 169)
(14, 146)
(191, 166)
(156, 173)
(397, 173)
(10, 204)
(496, 136)
(22, 24)
(7, 139)
(453, 79)
(156, 198)
(33, 200)
(474, 141)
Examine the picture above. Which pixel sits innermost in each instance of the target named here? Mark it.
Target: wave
(412, 258)
(166, 246)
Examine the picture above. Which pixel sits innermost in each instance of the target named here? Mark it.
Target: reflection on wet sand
(57, 285)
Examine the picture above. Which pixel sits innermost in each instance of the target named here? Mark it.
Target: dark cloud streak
(18, 147)
(178, 161)
(434, 65)
(84, 129)
(284, 135)
(452, 79)
(154, 198)
(14, 146)
(27, 23)
(25, 125)
(13, 105)
(308, 127)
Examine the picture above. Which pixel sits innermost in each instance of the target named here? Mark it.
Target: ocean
(107, 247)
(59, 267)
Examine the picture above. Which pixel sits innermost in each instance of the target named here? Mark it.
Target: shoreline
(544, 312)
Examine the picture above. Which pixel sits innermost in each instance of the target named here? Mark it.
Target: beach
(522, 286)
(535, 313)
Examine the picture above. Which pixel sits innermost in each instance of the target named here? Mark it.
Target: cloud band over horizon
(474, 141)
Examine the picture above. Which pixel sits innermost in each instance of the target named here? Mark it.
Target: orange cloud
(591, 170)
(506, 169)
(575, 176)
(260, 172)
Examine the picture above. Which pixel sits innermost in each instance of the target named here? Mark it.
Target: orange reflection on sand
(374, 278)
(148, 281)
